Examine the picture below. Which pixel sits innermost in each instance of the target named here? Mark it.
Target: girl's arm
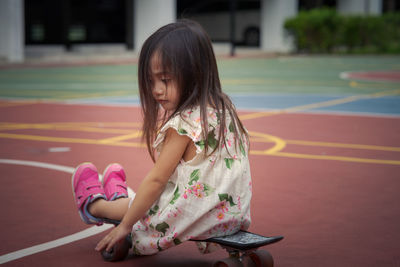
(151, 187)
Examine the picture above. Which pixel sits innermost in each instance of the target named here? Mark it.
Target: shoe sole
(73, 188)
(73, 177)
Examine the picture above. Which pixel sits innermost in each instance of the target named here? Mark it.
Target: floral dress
(205, 197)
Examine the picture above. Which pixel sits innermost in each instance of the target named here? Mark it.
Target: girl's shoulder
(188, 122)
(192, 117)
(195, 112)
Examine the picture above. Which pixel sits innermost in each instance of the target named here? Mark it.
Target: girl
(200, 185)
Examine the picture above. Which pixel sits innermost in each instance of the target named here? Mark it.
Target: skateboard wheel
(118, 252)
(262, 258)
(228, 262)
(248, 262)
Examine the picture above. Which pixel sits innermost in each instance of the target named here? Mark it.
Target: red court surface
(328, 183)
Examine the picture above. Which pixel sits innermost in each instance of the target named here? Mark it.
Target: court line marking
(337, 158)
(68, 140)
(319, 104)
(120, 138)
(14, 104)
(94, 230)
(60, 241)
(331, 144)
(279, 145)
(79, 127)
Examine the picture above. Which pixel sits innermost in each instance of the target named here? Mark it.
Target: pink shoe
(87, 188)
(114, 182)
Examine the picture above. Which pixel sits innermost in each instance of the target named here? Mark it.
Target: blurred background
(40, 29)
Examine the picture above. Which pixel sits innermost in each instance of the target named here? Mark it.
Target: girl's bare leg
(114, 210)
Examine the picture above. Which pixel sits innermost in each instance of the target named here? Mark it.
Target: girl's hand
(118, 233)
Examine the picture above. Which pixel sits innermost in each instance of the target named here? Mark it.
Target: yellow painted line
(12, 126)
(47, 138)
(66, 140)
(258, 115)
(385, 93)
(279, 143)
(91, 129)
(101, 124)
(280, 82)
(370, 85)
(324, 104)
(327, 157)
(319, 104)
(272, 152)
(120, 138)
(340, 145)
(62, 127)
(302, 107)
(330, 144)
(13, 104)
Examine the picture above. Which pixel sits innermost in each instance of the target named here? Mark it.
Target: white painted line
(344, 75)
(38, 164)
(55, 243)
(59, 149)
(94, 230)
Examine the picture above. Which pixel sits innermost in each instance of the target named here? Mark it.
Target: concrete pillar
(360, 7)
(12, 30)
(149, 15)
(273, 15)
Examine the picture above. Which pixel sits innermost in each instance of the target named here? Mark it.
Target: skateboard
(242, 248)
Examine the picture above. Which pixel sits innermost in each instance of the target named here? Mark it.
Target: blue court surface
(358, 104)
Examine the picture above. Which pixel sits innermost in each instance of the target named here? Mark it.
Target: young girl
(200, 185)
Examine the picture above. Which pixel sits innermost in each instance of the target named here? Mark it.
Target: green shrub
(392, 29)
(323, 30)
(313, 30)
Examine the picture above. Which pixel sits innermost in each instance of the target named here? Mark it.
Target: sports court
(325, 156)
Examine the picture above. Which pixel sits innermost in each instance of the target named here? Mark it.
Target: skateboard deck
(242, 248)
(244, 240)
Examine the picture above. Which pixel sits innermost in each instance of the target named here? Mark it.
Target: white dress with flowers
(205, 197)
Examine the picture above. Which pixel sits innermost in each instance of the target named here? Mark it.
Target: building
(70, 22)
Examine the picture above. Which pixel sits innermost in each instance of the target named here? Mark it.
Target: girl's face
(164, 86)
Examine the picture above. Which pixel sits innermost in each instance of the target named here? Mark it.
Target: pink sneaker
(114, 182)
(87, 188)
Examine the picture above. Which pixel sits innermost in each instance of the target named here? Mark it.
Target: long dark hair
(186, 53)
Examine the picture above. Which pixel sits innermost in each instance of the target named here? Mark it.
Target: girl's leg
(114, 210)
